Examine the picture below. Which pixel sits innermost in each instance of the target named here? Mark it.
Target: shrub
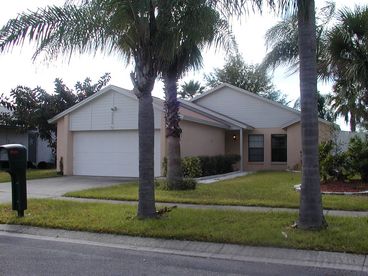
(185, 184)
(191, 167)
(219, 164)
(197, 166)
(334, 165)
(44, 165)
(30, 165)
(358, 154)
(164, 167)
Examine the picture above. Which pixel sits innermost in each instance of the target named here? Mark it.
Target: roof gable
(246, 107)
(108, 89)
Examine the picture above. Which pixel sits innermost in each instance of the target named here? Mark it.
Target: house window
(255, 148)
(279, 147)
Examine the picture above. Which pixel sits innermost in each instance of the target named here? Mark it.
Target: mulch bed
(340, 186)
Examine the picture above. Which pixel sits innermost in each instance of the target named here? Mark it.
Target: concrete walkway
(343, 261)
(215, 178)
(337, 213)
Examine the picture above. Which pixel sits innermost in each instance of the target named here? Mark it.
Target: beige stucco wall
(199, 139)
(64, 146)
(293, 146)
(294, 141)
(232, 147)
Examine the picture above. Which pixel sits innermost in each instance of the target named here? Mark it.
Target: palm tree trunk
(174, 168)
(146, 203)
(352, 121)
(310, 210)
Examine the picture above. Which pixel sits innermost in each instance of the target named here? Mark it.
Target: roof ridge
(216, 114)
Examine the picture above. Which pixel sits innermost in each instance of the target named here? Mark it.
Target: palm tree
(347, 103)
(194, 24)
(347, 49)
(191, 89)
(310, 210)
(282, 40)
(342, 55)
(131, 28)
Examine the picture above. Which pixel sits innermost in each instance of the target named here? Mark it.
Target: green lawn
(273, 189)
(31, 174)
(257, 229)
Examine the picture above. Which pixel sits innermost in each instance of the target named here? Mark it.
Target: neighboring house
(38, 149)
(99, 136)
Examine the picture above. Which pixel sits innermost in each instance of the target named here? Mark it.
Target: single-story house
(99, 136)
(38, 150)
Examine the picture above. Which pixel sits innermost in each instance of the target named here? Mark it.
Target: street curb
(283, 256)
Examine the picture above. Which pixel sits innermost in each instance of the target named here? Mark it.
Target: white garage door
(109, 153)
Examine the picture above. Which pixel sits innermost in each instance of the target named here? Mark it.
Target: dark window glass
(279, 147)
(255, 148)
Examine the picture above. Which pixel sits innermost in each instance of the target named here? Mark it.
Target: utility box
(17, 158)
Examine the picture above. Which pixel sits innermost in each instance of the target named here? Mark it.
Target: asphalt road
(32, 256)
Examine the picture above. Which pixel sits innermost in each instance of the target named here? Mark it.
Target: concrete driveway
(57, 186)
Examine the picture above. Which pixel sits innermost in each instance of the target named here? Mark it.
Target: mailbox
(17, 158)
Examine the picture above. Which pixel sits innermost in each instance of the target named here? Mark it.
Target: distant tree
(31, 108)
(346, 102)
(191, 89)
(87, 89)
(324, 111)
(252, 78)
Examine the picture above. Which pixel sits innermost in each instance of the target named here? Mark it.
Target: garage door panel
(109, 153)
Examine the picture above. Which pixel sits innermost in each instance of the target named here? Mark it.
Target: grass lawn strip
(256, 229)
(31, 174)
(266, 189)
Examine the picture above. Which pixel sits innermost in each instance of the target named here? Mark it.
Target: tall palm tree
(195, 24)
(310, 210)
(347, 49)
(130, 28)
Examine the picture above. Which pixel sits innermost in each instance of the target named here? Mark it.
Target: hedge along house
(99, 136)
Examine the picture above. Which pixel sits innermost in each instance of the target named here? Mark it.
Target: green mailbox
(17, 158)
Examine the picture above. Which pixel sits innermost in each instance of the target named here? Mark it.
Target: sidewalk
(197, 249)
(337, 213)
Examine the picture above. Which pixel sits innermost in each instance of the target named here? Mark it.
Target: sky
(17, 67)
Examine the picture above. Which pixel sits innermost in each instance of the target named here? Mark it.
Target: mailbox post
(17, 156)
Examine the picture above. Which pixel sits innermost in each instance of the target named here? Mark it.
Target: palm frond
(69, 29)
